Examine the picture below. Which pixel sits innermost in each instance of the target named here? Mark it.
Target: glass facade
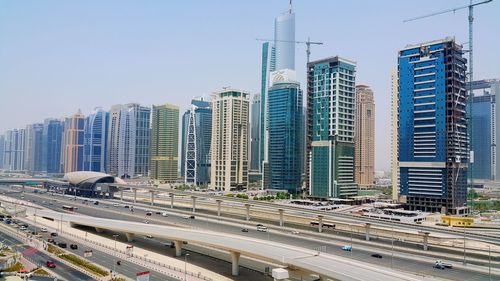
(165, 143)
(432, 129)
(330, 128)
(95, 142)
(52, 137)
(285, 137)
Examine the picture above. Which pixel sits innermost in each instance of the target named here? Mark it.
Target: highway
(62, 270)
(358, 254)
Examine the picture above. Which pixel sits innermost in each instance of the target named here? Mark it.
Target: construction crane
(308, 44)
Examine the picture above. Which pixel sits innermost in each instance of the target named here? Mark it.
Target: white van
(261, 228)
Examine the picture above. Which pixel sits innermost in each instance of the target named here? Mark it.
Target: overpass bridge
(295, 258)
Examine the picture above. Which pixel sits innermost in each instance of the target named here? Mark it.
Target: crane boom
(448, 11)
(308, 44)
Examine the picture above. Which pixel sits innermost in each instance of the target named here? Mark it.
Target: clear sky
(60, 56)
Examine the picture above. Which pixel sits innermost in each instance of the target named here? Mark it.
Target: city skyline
(133, 64)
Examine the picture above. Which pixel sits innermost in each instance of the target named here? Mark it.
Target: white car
(262, 228)
(43, 229)
(146, 222)
(295, 232)
(164, 214)
(23, 228)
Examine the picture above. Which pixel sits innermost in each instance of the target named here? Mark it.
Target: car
(149, 236)
(158, 213)
(43, 229)
(378, 256)
(192, 217)
(439, 266)
(244, 230)
(53, 234)
(23, 228)
(347, 248)
(164, 214)
(145, 221)
(116, 205)
(51, 240)
(149, 213)
(445, 264)
(126, 206)
(96, 202)
(73, 246)
(295, 232)
(50, 264)
(62, 245)
(262, 228)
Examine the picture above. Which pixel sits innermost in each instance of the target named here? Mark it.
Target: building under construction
(432, 127)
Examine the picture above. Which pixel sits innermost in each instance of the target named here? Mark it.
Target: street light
(185, 266)
(114, 264)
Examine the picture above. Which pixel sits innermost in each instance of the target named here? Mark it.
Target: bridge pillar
(121, 194)
(130, 237)
(194, 203)
(152, 194)
(235, 259)
(320, 223)
(425, 239)
(218, 206)
(22, 188)
(99, 230)
(367, 231)
(135, 195)
(178, 248)
(282, 222)
(171, 200)
(247, 212)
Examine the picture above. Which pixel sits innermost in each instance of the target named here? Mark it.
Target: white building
(14, 150)
(229, 148)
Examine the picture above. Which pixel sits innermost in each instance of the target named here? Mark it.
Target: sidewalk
(154, 261)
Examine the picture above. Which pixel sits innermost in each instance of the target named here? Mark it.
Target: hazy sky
(60, 56)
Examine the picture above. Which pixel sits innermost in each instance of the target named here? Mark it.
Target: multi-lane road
(360, 253)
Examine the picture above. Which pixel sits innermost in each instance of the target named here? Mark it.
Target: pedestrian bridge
(296, 258)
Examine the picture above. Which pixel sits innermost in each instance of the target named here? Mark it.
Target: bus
(68, 208)
(325, 224)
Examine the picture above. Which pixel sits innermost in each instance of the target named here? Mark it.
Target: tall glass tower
(165, 142)
(33, 152)
(285, 132)
(95, 143)
(52, 138)
(196, 141)
(284, 40)
(433, 137)
(331, 105)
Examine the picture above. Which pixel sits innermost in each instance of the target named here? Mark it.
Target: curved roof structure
(77, 178)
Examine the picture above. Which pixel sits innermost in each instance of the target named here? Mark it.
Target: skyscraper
(95, 141)
(432, 131)
(255, 133)
(365, 137)
(268, 65)
(52, 141)
(196, 141)
(229, 158)
(72, 143)
(165, 142)
(14, 150)
(284, 37)
(128, 140)
(33, 152)
(484, 128)
(330, 127)
(2, 150)
(394, 135)
(285, 132)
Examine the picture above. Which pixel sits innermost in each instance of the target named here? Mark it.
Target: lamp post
(489, 261)
(465, 261)
(392, 242)
(185, 266)
(114, 264)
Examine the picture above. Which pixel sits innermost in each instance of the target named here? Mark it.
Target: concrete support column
(135, 195)
(218, 206)
(367, 231)
(282, 222)
(194, 203)
(152, 198)
(171, 200)
(320, 223)
(178, 248)
(425, 239)
(235, 259)
(247, 212)
(121, 194)
(130, 237)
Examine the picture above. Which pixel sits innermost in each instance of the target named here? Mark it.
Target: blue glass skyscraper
(196, 141)
(432, 131)
(95, 141)
(285, 133)
(33, 152)
(52, 137)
